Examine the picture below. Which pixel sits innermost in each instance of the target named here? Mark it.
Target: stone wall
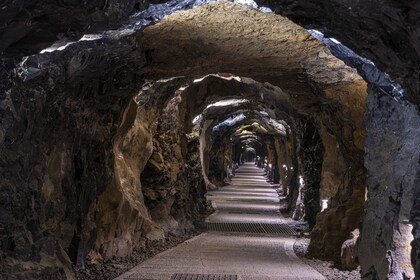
(56, 141)
(392, 163)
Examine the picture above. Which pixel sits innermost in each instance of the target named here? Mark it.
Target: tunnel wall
(311, 153)
(342, 119)
(55, 140)
(392, 163)
(154, 193)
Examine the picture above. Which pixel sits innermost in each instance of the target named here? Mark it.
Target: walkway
(250, 241)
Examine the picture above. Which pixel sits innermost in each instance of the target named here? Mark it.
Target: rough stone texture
(171, 189)
(270, 47)
(414, 218)
(28, 27)
(348, 252)
(333, 165)
(152, 193)
(393, 141)
(55, 152)
(237, 32)
(384, 31)
(311, 152)
(214, 87)
(344, 120)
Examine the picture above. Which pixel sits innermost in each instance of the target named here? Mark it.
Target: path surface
(233, 255)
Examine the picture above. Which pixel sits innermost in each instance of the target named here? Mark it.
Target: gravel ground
(112, 268)
(325, 268)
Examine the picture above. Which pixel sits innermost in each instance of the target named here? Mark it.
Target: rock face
(333, 165)
(26, 28)
(311, 153)
(227, 29)
(393, 139)
(387, 34)
(149, 196)
(348, 252)
(55, 151)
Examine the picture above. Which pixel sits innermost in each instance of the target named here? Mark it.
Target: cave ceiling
(232, 38)
(386, 33)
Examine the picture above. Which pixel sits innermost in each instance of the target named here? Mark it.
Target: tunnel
(182, 139)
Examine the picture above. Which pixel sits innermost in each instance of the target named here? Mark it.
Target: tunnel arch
(324, 75)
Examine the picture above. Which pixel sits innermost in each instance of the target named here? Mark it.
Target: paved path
(249, 199)
(242, 256)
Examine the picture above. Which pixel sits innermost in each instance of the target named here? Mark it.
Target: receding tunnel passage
(236, 142)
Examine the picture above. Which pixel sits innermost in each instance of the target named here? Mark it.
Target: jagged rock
(386, 35)
(55, 157)
(348, 252)
(393, 140)
(26, 28)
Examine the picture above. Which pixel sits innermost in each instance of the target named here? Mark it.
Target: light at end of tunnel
(324, 204)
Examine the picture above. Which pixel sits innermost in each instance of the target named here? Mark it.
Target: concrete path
(249, 199)
(241, 256)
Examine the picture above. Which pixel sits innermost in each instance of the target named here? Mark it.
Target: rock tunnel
(119, 117)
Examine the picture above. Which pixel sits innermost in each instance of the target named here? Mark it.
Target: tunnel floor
(234, 252)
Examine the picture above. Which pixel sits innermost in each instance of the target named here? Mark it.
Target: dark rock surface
(56, 130)
(393, 140)
(333, 226)
(27, 27)
(311, 152)
(386, 32)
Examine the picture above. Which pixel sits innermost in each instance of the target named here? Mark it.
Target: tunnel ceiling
(272, 49)
(252, 121)
(232, 38)
(385, 32)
